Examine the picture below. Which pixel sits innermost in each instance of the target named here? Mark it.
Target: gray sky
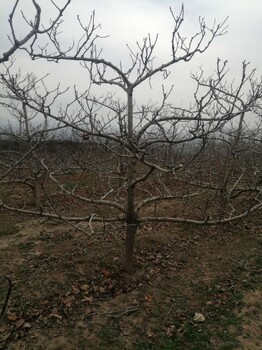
(128, 21)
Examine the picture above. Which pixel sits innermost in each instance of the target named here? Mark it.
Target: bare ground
(70, 291)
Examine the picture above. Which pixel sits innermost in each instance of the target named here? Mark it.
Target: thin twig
(10, 286)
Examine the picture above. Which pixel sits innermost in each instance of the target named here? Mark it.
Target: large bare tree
(137, 164)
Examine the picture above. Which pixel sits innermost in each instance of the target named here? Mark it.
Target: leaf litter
(66, 281)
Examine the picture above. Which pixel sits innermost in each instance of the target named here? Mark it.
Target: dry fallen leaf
(69, 300)
(20, 323)
(181, 331)
(4, 337)
(102, 290)
(84, 287)
(75, 290)
(148, 298)
(199, 317)
(150, 334)
(170, 330)
(54, 315)
(27, 325)
(88, 300)
(106, 273)
(12, 317)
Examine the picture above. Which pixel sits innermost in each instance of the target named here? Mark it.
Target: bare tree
(137, 162)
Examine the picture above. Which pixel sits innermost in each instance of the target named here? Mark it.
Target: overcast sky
(128, 21)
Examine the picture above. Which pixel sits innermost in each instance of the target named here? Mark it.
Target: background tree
(138, 164)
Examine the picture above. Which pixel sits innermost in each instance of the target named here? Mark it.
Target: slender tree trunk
(131, 217)
(121, 172)
(129, 247)
(231, 167)
(31, 166)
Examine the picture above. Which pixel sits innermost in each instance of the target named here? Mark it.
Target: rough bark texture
(129, 247)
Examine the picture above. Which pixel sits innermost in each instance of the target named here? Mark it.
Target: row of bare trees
(126, 163)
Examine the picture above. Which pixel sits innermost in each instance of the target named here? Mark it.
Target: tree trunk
(129, 247)
(230, 168)
(131, 217)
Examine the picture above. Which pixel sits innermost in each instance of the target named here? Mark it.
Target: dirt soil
(193, 287)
